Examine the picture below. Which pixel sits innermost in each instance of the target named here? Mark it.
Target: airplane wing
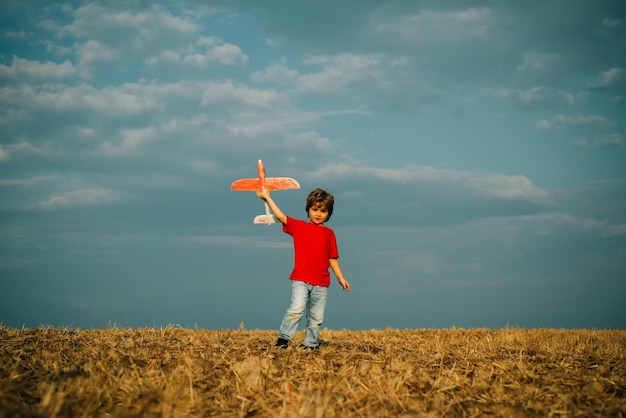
(272, 183)
(249, 185)
(281, 183)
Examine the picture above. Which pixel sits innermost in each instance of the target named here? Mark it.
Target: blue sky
(476, 151)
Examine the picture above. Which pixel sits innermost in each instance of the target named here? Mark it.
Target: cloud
(23, 148)
(428, 28)
(276, 73)
(228, 92)
(17, 34)
(586, 224)
(167, 57)
(582, 120)
(608, 141)
(79, 198)
(138, 29)
(353, 78)
(131, 140)
(217, 53)
(336, 74)
(492, 185)
(4, 155)
(609, 22)
(613, 79)
(340, 71)
(535, 62)
(90, 53)
(37, 71)
(25, 182)
(232, 241)
(543, 125)
(560, 121)
(104, 36)
(112, 101)
(540, 98)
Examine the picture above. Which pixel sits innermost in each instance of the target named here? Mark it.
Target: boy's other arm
(334, 265)
(264, 194)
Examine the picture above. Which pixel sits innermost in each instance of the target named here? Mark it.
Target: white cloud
(273, 43)
(104, 35)
(228, 92)
(36, 70)
(420, 262)
(608, 22)
(225, 54)
(340, 71)
(582, 120)
(17, 35)
(619, 229)
(204, 165)
(122, 101)
(163, 58)
(4, 155)
(144, 26)
(25, 181)
(613, 78)
(232, 241)
(539, 97)
(543, 125)
(131, 139)
(608, 141)
(537, 61)
(90, 53)
(278, 73)
(560, 120)
(311, 141)
(22, 147)
(587, 224)
(79, 198)
(493, 185)
(427, 28)
(506, 187)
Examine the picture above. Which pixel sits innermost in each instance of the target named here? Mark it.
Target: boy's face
(318, 214)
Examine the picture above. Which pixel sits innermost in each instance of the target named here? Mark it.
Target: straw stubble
(175, 372)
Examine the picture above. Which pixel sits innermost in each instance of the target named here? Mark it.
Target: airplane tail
(264, 219)
(267, 219)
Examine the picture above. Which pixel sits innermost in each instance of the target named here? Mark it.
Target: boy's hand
(263, 193)
(344, 283)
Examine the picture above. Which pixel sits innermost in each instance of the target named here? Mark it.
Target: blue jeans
(309, 299)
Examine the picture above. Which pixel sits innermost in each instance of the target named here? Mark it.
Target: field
(176, 372)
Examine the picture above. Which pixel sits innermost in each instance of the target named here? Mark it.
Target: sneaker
(306, 347)
(282, 343)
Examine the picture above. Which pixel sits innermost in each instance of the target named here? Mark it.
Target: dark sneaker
(282, 343)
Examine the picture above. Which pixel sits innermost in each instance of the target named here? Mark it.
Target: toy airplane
(270, 183)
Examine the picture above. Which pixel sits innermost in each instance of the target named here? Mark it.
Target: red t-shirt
(313, 246)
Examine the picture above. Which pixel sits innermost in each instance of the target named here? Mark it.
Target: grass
(175, 372)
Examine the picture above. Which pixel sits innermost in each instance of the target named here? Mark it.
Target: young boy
(315, 250)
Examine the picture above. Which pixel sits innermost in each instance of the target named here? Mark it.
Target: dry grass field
(175, 372)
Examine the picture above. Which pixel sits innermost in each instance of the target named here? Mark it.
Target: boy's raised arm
(264, 194)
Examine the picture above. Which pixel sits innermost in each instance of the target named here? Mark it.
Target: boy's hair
(321, 197)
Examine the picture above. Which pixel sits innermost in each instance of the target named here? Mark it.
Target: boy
(315, 250)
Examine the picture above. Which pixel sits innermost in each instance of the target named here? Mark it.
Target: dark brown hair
(321, 197)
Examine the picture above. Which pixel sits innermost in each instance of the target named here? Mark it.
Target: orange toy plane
(270, 183)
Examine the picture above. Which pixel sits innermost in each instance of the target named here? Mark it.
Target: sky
(476, 151)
